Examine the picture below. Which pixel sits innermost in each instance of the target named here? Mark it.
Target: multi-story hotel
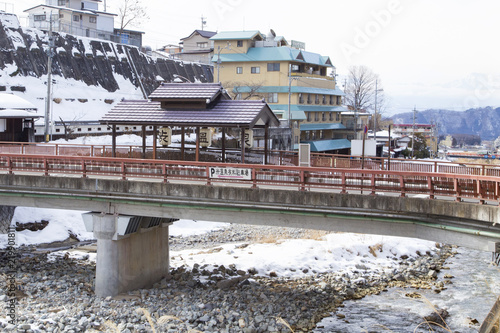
(298, 85)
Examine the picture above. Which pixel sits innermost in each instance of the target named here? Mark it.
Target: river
(475, 288)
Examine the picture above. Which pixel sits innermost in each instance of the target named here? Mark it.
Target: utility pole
(219, 49)
(375, 113)
(413, 134)
(49, 81)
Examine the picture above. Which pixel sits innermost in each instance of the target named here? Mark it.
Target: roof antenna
(203, 22)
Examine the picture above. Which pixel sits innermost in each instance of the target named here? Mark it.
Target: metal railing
(276, 157)
(368, 181)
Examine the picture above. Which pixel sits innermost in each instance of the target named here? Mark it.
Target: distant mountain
(484, 122)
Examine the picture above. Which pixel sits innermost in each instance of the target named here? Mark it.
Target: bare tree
(360, 89)
(131, 11)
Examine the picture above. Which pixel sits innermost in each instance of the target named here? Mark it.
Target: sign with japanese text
(205, 137)
(165, 136)
(230, 173)
(248, 138)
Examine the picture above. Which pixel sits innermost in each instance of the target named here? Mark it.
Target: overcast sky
(428, 53)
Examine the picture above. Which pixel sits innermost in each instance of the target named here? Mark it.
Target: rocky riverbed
(55, 293)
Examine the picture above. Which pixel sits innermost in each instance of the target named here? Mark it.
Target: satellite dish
(273, 33)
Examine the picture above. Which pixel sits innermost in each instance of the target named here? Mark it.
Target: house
(197, 47)
(80, 18)
(428, 131)
(298, 85)
(17, 118)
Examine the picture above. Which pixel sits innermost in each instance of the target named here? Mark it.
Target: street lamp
(375, 114)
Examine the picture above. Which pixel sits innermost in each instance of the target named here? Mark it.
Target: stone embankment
(57, 295)
(6, 214)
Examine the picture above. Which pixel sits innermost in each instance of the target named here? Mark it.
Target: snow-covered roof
(10, 101)
(13, 113)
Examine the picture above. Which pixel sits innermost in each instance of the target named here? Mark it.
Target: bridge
(132, 202)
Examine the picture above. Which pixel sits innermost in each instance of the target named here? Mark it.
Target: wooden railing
(368, 181)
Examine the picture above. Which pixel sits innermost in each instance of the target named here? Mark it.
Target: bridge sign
(230, 173)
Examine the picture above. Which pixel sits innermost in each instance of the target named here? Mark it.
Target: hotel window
(324, 99)
(239, 43)
(93, 19)
(301, 99)
(309, 116)
(272, 98)
(239, 70)
(309, 101)
(331, 100)
(323, 116)
(316, 116)
(316, 100)
(338, 116)
(339, 100)
(39, 17)
(255, 70)
(76, 18)
(321, 135)
(273, 67)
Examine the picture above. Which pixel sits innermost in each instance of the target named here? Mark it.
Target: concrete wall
(95, 62)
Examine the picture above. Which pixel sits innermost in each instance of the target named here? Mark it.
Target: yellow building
(298, 85)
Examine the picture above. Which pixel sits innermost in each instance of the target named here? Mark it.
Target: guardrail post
(480, 192)
(254, 178)
(84, 169)
(164, 171)
(457, 190)
(207, 170)
(45, 166)
(402, 185)
(373, 184)
(344, 185)
(302, 181)
(430, 187)
(124, 177)
(9, 164)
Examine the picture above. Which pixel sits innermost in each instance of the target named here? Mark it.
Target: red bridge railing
(369, 181)
(284, 158)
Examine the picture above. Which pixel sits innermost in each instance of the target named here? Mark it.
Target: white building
(76, 17)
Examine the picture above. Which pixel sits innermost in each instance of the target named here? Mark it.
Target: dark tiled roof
(222, 113)
(203, 91)
(202, 33)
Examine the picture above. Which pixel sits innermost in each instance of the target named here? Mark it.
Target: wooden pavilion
(192, 105)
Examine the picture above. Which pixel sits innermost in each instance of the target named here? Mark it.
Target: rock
(432, 274)
(437, 317)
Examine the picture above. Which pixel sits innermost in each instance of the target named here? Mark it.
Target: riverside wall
(24, 52)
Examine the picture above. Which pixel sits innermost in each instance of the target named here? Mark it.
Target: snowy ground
(331, 253)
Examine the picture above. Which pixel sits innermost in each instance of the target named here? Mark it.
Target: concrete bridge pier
(132, 251)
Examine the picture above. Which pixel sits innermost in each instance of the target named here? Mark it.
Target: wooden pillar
(242, 145)
(266, 146)
(154, 141)
(113, 141)
(183, 143)
(197, 144)
(143, 141)
(223, 145)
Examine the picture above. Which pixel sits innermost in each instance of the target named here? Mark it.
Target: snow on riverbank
(288, 258)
